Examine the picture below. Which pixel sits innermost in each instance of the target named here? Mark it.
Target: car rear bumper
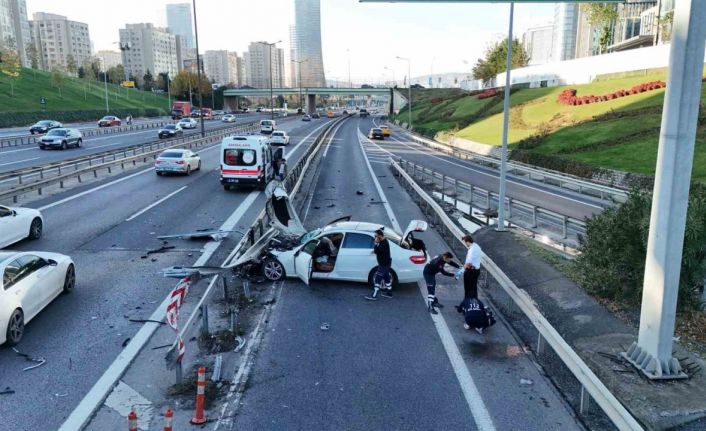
(240, 181)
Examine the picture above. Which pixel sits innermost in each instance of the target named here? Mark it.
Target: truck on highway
(181, 110)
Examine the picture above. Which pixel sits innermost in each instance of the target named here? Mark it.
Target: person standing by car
(128, 120)
(382, 275)
(436, 266)
(471, 268)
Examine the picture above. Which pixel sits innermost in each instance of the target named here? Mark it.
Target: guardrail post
(539, 343)
(204, 320)
(19, 179)
(487, 198)
(509, 208)
(455, 193)
(564, 227)
(443, 185)
(534, 216)
(585, 400)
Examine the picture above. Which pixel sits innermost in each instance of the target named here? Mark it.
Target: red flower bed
(568, 97)
(491, 92)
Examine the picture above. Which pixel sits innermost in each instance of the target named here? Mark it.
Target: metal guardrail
(590, 383)
(86, 165)
(528, 216)
(532, 173)
(19, 140)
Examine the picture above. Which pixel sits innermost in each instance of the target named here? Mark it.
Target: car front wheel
(69, 279)
(15, 328)
(371, 277)
(79, 143)
(272, 269)
(35, 229)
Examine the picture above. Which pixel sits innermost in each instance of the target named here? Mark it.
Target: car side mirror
(52, 262)
(14, 213)
(297, 254)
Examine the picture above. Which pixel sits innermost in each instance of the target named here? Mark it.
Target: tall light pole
(299, 79)
(105, 83)
(506, 122)
(431, 73)
(409, 86)
(272, 105)
(350, 84)
(169, 94)
(198, 72)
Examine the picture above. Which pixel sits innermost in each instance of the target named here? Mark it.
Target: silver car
(177, 161)
(228, 118)
(188, 123)
(61, 138)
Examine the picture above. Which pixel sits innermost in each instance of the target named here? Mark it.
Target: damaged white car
(340, 250)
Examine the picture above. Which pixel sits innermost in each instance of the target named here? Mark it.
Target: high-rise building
(221, 67)
(565, 27)
(242, 71)
(108, 59)
(307, 42)
(57, 40)
(537, 42)
(629, 30)
(180, 22)
(149, 48)
(259, 63)
(14, 28)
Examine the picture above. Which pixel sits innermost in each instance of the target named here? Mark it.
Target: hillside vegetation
(618, 134)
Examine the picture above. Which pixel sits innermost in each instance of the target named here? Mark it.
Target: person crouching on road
(382, 275)
(476, 315)
(471, 268)
(432, 268)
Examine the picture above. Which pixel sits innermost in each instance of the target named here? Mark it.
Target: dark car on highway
(109, 121)
(315, 115)
(376, 133)
(306, 117)
(44, 126)
(363, 113)
(170, 131)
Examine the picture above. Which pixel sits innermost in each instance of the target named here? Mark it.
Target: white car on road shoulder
(340, 250)
(188, 123)
(177, 161)
(279, 137)
(17, 224)
(30, 281)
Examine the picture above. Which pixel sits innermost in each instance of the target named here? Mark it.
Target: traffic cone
(132, 421)
(199, 417)
(168, 415)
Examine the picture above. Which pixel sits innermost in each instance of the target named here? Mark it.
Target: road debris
(359, 193)
(241, 344)
(65, 394)
(162, 249)
(38, 361)
(325, 326)
(526, 382)
(217, 365)
(126, 342)
(330, 205)
(215, 234)
(7, 391)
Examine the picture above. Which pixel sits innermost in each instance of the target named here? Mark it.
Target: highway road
(546, 196)
(13, 158)
(106, 232)
(24, 130)
(387, 364)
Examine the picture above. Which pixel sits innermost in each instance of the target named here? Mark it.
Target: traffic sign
(42, 100)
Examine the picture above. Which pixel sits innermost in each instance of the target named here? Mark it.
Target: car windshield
(377, 130)
(277, 134)
(57, 132)
(170, 126)
(309, 236)
(107, 118)
(44, 123)
(171, 155)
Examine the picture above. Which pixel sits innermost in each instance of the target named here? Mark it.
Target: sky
(437, 38)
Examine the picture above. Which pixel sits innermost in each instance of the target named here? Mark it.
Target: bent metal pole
(506, 123)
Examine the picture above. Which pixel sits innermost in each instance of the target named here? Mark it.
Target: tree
(147, 81)
(32, 55)
(58, 78)
(602, 15)
(496, 58)
(71, 65)
(87, 73)
(186, 81)
(116, 74)
(665, 26)
(10, 67)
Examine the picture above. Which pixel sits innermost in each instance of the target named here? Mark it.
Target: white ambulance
(248, 160)
(267, 126)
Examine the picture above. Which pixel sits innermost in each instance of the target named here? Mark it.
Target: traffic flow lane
(534, 193)
(24, 131)
(83, 332)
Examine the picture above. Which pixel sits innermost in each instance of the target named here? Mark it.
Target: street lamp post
(272, 105)
(198, 71)
(125, 47)
(409, 86)
(169, 94)
(299, 79)
(105, 83)
(506, 122)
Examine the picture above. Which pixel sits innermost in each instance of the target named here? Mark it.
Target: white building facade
(57, 39)
(15, 32)
(564, 34)
(221, 67)
(537, 42)
(109, 59)
(148, 48)
(260, 59)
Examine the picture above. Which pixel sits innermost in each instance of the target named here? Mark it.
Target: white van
(248, 160)
(267, 126)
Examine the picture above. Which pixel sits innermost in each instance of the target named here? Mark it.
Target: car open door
(304, 260)
(282, 214)
(408, 237)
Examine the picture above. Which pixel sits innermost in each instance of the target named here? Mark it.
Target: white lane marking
(95, 189)
(306, 137)
(18, 151)
(479, 411)
(149, 207)
(311, 195)
(19, 161)
(328, 144)
(100, 390)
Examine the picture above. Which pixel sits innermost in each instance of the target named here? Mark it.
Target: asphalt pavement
(13, 158)
(24, 130)
(386, 365)
(552, 198)
(106, 232)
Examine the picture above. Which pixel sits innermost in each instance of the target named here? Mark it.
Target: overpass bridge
(230, 96)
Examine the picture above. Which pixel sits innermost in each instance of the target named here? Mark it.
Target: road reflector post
(199, 416)
(132, 421)
(168, 418)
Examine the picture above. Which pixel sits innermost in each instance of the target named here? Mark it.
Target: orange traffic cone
(132, 421)
(168, 416)
(199, 417)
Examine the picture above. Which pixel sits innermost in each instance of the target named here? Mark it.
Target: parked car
(170, 131)
(385, 130)
(376, 133)
(188, 123)
(30, 281)
(178, 161)
(61, 138)
(288, 250)
(279, 137)
(109, 121)
(228, 118)
(306, 117)
(44, 126)
(18, 223)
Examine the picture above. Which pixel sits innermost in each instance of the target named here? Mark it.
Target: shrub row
(568, 97)
(556, 163)
(8, 119)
